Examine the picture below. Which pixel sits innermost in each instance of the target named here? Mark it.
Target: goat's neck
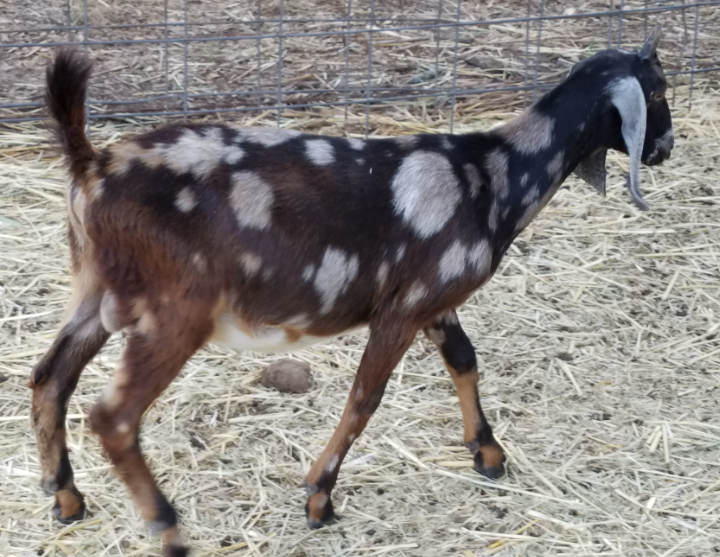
(527, 160)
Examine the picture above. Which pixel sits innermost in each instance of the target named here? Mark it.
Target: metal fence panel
(186, 58)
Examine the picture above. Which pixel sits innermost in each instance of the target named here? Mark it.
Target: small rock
(287, 376)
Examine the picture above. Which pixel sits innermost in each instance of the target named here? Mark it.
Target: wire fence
(191, 58)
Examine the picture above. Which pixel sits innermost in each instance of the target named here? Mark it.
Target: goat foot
(319, 510)
(69, 506)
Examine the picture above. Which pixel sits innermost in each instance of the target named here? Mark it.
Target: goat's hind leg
(157, 347)
(53, 381)
(459, 357)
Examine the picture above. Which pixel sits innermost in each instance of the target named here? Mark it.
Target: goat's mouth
(661, 149)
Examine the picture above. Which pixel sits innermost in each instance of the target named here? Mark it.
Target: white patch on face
(555, 167)
(407, 141)
(473, 177)
(267, 137)
(414, 294)
(400, 253)
(446, 143)
(529, 133)
(308, 273)
(496, 164)
(337, 270)
(426, 192)
(251, 199)
(531, 195)
(185, 200)
(479, 257)
(452, 262)
(320, 151)
(382, 273)
(251, 263)
(332, 463)
(355, 143)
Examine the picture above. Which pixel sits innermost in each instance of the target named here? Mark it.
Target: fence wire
(187, 58)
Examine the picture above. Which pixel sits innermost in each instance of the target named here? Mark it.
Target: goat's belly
(233, 333)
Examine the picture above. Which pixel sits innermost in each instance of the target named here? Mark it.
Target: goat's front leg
(459, 357)
(389, 339)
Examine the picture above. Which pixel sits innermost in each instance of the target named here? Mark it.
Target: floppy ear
(627, 96)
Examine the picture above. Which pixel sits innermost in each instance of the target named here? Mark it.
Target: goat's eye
(657, 95)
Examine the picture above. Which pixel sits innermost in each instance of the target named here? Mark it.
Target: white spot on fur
(360, 161)
(407, 141)
(199, 262)
(337, 270)
(425, 192)
(382, 273)
(332, 463)
(452, 262)
(496, 164)
(251, 263)
(351, 438)
(196, 153)
(529, 133)
(233, 154)
(400, 252)
(232, 332)
(355, 143)
(123, 428)
(493, 216)
(446, 143)
(320, 151)
(251, 199)
(479, 257)
(308, 273)
(267, 137)
(109, 313)
(473, 177)
(185, 200)
(531, 195)
(524, 179)
(555, 167)
(414, 294)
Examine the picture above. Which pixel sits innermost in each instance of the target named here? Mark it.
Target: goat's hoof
(69, 519)
(492, 472)
(175, 551)
(317, 518)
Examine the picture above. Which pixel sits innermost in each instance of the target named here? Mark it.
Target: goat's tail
(67, 79)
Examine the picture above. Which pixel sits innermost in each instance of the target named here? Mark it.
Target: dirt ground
(600, 359)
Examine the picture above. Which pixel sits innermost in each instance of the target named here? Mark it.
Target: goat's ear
(592, 170)
(648, 49)
(627, 96)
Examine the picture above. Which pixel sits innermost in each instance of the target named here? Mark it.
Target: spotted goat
(268, 239)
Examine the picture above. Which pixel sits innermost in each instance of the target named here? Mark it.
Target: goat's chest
(234, 333)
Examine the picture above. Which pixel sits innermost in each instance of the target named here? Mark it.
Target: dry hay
(597, 339)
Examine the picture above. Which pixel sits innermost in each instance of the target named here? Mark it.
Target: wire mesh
(181, 58)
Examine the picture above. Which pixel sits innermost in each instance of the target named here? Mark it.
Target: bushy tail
(67, 79)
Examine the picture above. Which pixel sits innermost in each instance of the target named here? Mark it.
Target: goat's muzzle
(662, 149)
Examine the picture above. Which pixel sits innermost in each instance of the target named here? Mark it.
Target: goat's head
(634, 114)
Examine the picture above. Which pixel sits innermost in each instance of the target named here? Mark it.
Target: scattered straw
(598, 340)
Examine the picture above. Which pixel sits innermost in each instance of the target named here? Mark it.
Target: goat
(266, 239)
